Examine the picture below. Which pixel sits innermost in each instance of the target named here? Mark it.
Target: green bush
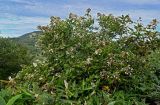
(12, 56)
(94, 64)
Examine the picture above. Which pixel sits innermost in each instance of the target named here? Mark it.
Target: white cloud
(29, 2)
(146, 15)
(12, 25)
(141, 1)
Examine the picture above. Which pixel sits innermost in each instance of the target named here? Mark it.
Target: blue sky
(18, 17)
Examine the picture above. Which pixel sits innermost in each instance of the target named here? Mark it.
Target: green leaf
(26, 93)
(13, 99)
(2, 101)
(112, 103)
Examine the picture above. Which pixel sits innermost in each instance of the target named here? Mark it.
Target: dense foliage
(12, 57)
(85, 61)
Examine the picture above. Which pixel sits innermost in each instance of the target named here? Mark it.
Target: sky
(18, 17)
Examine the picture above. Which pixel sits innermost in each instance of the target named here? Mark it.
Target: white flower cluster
(127, 70)
(98, 52)
(88, 61)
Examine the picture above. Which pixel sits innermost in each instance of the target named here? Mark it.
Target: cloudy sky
(18, 17)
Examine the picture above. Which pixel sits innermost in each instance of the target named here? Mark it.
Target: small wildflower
(51, 50)
(34, 64)
(36, 95)
(52, 92)
(71, 49)
(10, 78)
(40, 78)
(98, 51)
(124, 54)
(89, 60)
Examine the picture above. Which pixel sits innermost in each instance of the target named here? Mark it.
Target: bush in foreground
(109, 63)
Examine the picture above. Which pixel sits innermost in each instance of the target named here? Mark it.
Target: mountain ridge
(28, 40)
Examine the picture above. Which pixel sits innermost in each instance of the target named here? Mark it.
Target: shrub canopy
(85, 57)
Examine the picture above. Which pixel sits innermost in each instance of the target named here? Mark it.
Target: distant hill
(28, 40)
